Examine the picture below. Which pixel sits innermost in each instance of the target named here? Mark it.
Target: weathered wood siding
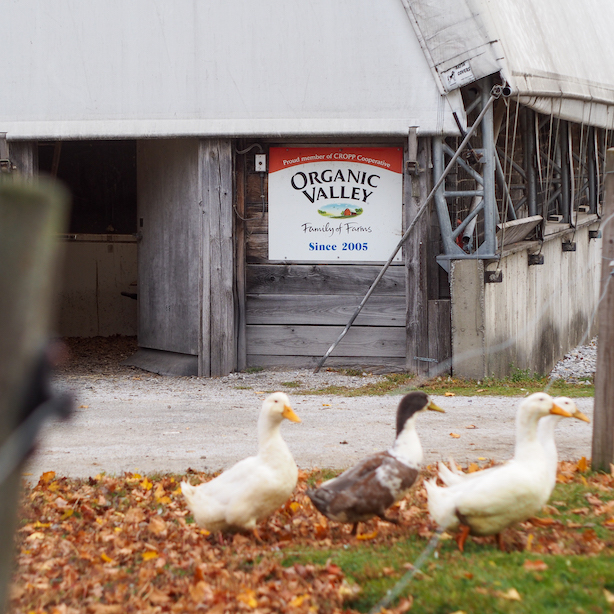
(218, 355)
(294, 312)
(169, 223)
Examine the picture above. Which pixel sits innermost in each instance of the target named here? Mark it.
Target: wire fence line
(433, 543)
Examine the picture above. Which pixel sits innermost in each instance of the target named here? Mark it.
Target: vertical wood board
(415, 256)
(216, 160)
(169, 268)
(439, 337)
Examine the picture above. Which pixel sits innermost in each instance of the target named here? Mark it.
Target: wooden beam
(218, 355)
(30, 219)
(603, 417)
(349, 279)
(439, 336)
(280, 340)
(325, 310)
(370, 364)
(415, 257)
(240, 262)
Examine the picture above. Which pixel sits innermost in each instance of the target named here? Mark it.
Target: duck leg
(390, 520)
(461, 538)
(500, 543)
(354, 529)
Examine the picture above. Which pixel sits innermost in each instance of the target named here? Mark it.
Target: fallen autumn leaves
(127, 544)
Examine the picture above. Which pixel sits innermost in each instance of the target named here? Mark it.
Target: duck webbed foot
(461, 538)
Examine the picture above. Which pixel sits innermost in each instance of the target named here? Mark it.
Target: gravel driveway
(127, 420)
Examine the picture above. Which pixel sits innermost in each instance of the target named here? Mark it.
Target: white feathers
(255, 487)
(489, 501)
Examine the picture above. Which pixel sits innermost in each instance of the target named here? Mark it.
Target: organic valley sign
(335, 204)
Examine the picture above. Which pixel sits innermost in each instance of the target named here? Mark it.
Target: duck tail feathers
(320, 497)
(448, 477)
(188, 491)
(430, 485)
(453, 467)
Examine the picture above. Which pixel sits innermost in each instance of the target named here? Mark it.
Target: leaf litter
(128, 544)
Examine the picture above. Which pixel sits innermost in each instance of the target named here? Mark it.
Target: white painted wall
(545, 308)
(145, 68)
(97, 269)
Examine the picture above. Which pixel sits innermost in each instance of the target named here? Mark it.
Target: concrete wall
(531, 319)
(97, 269)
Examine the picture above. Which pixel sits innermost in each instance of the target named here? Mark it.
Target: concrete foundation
(535, 315)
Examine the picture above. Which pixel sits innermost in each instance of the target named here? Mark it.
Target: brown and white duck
(369, 488)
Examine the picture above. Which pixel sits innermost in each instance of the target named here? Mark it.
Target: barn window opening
(101, 176)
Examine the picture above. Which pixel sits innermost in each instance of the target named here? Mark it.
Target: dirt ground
(126, 419)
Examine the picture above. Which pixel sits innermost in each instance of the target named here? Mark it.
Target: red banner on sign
(389, 158)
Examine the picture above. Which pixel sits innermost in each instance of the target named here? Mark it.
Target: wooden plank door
(169, 254)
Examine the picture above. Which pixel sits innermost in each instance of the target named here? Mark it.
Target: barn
(243, 174)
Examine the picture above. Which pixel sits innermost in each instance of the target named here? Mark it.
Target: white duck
(255, 487)
(545, 435)
(492, 500)
(370, 487)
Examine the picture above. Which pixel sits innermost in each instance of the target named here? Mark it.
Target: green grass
(518, 384)
(254, 369)
(293, 384)
(474, 581)
(480, 579)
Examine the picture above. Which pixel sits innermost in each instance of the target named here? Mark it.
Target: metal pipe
(528, 132)
(495, 93)
(462, 193)
(476, 207)
(466, 167)
(565, 174)
(489, 245)
(515, 164)
(506, 192)
(592, 172)
(443, 213)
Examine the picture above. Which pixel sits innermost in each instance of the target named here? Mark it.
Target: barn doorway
(97, 295)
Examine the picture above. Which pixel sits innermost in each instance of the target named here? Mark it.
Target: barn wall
(97, 269)
(538, 312)
(294, 312)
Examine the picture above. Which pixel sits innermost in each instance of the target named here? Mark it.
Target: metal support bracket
(568, 246)
(536, 259)
(594, 234)
(412, 151)
(493, 277)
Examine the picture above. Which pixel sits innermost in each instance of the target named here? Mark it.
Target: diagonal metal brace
(495, 93)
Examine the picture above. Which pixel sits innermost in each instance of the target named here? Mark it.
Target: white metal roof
(558, 55)
(148, 68)
(151, 68)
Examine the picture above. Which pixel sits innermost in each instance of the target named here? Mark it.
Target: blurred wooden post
(31, 216)
(603, 420)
